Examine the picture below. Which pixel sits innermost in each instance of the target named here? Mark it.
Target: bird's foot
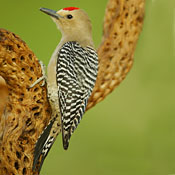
(43, 77)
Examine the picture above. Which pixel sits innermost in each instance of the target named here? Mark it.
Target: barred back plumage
(77, 69)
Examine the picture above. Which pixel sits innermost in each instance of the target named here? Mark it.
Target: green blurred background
(132, 132)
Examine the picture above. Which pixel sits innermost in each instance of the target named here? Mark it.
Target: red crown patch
(71, 8)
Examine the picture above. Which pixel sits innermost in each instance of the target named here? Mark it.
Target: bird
(71, 77)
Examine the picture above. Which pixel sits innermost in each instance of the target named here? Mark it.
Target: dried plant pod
(3, 101)
(3, 96)
(27, 111)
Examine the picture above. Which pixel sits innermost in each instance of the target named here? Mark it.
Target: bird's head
(71, 21)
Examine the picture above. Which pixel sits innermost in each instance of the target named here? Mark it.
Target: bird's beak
(51, 13)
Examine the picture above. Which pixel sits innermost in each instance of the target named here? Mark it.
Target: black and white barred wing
(76, 75)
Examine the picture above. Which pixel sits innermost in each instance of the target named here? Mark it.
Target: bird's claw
(44, 77)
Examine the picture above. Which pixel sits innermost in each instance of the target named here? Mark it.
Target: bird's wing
(76, 76)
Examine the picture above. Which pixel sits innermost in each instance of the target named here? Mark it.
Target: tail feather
(45, 151)
(66, 137)
(43, 145)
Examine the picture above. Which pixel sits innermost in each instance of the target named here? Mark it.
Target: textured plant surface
(122, 26)
(25, 112)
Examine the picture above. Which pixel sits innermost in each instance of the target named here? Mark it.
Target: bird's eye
(69, 16)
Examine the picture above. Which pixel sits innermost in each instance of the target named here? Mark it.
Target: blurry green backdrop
(132, 132)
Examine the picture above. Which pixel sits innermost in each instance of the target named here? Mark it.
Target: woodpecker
(71, 76)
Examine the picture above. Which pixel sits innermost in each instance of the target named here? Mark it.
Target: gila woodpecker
(71, 77)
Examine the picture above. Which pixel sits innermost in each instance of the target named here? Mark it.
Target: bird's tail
(44, 143)
(66, 137)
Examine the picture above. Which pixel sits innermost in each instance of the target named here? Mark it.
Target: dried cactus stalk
(3, 101)
(3, 96)
(27, 111)
(122, 26)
